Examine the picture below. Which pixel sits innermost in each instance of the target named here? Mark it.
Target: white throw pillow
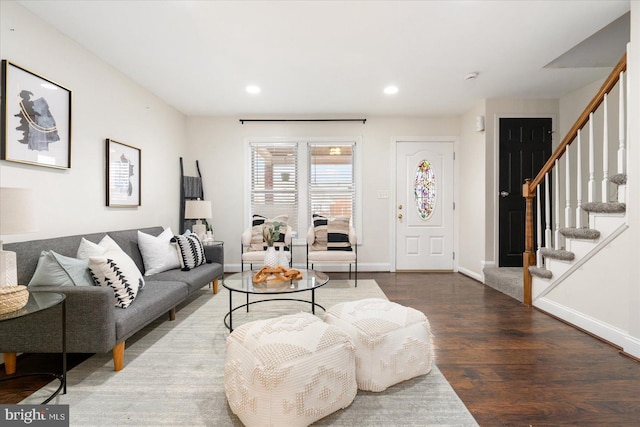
(88, 249)
(111, 266)
(113, 270)
(158, 254)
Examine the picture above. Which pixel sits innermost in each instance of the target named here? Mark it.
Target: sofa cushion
(190, 251)
(156, 299)
(54, 269)
(158, 254)
(195, 278)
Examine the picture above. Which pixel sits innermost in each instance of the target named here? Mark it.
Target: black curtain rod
(303, 120)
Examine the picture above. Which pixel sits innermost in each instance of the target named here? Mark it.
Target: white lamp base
(200, 229)
(8, 269)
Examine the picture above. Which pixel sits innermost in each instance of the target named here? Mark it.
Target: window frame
(300, 229)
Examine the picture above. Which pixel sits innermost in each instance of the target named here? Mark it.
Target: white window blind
(274, 183)
(332, 189)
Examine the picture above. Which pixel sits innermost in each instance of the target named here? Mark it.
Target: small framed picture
(36, 119)
(123, 174)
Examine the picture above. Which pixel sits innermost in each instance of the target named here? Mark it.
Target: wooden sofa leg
(10, 363)
(118, 356)
(215, 286)
(172, 313)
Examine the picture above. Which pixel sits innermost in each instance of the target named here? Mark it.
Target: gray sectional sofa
(94, 324)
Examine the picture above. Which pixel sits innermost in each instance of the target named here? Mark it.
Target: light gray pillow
(54, 269)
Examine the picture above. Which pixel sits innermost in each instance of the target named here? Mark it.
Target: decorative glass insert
(424, 189)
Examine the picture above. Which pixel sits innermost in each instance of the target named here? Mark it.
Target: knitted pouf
(393, 342)
(288, 371)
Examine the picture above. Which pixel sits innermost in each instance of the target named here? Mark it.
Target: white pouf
(288, 371)
(393, 342)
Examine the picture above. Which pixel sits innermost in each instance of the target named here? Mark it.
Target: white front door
(424, 206)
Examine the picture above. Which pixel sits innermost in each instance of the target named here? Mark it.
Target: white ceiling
(319, 58)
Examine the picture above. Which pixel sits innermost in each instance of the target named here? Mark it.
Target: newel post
(528, 257)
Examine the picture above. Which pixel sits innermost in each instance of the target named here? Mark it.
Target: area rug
(173, 374)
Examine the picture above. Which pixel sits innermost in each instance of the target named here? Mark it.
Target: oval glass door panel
(424, 189)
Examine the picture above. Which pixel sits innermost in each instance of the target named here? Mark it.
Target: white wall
(471, 194)
(106, 104)
(218, 144)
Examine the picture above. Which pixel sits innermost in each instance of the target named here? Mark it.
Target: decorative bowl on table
(13, 298)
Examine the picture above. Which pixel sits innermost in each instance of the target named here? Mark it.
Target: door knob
(399, 216)
(504, 193)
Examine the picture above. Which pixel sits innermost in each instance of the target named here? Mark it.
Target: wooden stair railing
(530, 185)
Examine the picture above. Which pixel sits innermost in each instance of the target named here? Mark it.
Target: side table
(39, 301)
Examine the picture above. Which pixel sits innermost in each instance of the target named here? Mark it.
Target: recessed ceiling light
(391, 90)
(471, 76)
(253, 89)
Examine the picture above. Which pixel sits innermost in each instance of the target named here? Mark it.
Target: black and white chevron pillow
(190, 251)
(118, 273)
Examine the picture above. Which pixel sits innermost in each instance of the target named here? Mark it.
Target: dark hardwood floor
(511, 365)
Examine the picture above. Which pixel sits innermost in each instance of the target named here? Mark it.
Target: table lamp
(198, 210)
(17, 216)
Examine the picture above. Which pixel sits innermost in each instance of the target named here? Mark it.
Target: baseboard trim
(368, 267)
(598, 329)
(632, 348)
(486, 264)
(471, 274)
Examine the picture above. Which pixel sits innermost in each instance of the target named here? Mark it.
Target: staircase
(578, 241)
(606, 221)
(565, 243)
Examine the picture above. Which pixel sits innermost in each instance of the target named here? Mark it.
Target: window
(331, 180)
(274, 183)
(302, 177)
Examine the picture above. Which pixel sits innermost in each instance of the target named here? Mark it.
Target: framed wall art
(36, 119)
(123, 174)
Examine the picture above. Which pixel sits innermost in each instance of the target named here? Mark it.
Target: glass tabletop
(243, 282)
(37, 301)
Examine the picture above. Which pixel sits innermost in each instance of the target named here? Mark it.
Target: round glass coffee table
(243, 283)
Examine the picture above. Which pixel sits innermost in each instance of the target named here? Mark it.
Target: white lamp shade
(17, 211)
(197, 209)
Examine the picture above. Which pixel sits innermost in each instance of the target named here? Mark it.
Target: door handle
(504, 193)
(399, 216)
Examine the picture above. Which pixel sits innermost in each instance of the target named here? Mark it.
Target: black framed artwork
(36, 119)
(123, 174)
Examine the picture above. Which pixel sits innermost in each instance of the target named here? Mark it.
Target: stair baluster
(538, 229)
(567, 190)
(621, 126)
(579, 181)
(605, 152)
(547, 213)
(556, 205)
(591, 186)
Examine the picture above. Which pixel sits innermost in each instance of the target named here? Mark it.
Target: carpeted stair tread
(619, 179)
(600, 207)
(559, 254)
(540, 272)
(580, 233)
